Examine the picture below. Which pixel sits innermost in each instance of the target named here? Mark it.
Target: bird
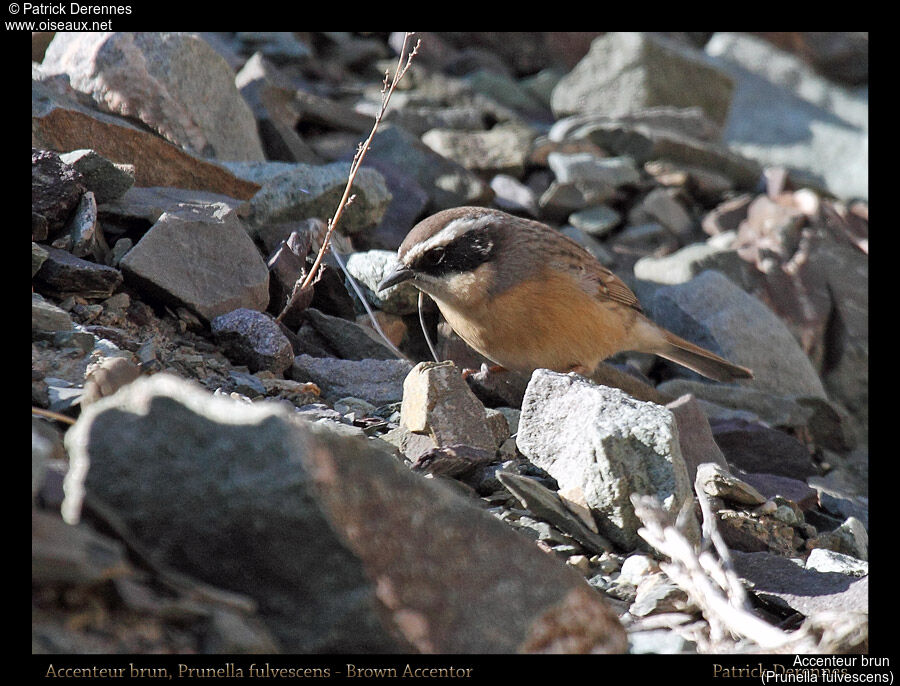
(527, 297)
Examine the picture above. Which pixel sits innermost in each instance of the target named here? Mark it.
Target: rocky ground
(208, 480)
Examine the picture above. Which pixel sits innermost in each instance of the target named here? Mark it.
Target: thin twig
(710, 586)
(51, 415)
(362, 299)
(386, 92)
(431, 347)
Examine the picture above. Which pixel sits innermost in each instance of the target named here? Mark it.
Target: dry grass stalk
(715, 588)
(389, 85)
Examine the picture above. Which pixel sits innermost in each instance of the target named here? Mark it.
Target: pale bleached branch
(712, 587)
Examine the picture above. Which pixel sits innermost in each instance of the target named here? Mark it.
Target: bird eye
(433, 257)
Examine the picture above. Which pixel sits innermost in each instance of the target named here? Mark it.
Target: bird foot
(493, 369)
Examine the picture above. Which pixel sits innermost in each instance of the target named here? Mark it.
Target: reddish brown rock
(60, 123)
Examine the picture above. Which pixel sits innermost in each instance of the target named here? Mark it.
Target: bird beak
(399, 275)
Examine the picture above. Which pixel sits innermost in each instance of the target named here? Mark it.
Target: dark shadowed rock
(779, 580)
(62, 272)
(282, 510)
(56, 188)
(713, 312)
(253, 338)
(106, 180)
(378, 381)
(753, 447)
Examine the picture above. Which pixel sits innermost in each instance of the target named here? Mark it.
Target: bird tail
(699, 359)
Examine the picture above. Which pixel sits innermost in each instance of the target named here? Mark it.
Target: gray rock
(38, 255)
(62, 272)
(252, 338)
(547, 505)
(718, 482)
(412, 445)
(279, 46)
(271, 97)
(293, 192)
(347, 339)
(588, 170)
(753, 447)
(624, 71)
(438, 402)
(781, 581)
(201, 259)
(561, 199)
(686, 263)
(692, 122)
(589, 243)
(855, 531)
(84, 237)
(447, 183)
(369, 269)
(73, 555)
(542, 83)
(148, 204)
(297, 500)
(716, 314)
(596, 221)
(417, 119)
(175, 83)
(727, 215)
(823, 560)
(840, 503)
(107, 180)
(607, 443)
(656, 595)
(694, 435)
(659, 642)
(513, 196)
(408, 201)
(246, 384)
(785, 115)
(377, 381)
(777, 410)
(645, 138)
(45, 316)
(502, 150)
(240, 468)
(637, 567)
(659, 205)
(507, 92)
(651, 238)
(774, 485)
(847, 376)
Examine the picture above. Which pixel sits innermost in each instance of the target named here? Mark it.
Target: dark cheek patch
(464, 254)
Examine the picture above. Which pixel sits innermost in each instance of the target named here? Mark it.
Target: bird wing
(602, 284)
(564, 254)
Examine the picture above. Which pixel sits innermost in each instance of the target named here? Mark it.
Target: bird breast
(544, 322)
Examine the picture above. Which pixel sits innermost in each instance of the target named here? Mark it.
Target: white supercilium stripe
(448, 234)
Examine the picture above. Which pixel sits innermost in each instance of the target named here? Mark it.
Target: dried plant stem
(51, 415)
(387, 90)
(421, 304)
(372, 317)
(710, 586)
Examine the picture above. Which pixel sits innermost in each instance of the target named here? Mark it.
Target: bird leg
(493, 369)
